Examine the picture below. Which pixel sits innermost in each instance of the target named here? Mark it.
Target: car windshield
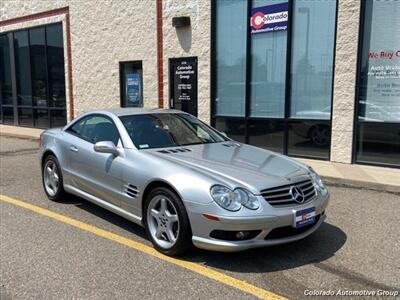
(161, 130)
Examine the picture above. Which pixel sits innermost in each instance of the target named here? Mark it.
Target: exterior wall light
(180, 21)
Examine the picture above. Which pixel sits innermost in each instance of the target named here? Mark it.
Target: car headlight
(233, 200)
(319, 185)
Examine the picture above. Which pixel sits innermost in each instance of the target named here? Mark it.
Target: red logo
(303, 217)
(257, 20)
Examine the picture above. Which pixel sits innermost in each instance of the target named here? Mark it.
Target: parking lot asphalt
(357, 248)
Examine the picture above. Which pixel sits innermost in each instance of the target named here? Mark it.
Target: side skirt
(104, 204)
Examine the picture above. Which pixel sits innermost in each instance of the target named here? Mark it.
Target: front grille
(281, 196)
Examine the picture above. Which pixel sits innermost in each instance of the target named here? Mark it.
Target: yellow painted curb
(196, 268)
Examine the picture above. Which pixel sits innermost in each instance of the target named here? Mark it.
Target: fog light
(227, 235)
(242, 235)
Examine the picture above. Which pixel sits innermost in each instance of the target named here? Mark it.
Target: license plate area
(304, 217)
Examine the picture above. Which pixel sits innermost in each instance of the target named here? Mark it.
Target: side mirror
(223, 133)
(106, 147)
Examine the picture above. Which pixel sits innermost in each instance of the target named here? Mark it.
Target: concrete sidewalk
(20, 132)
(360, 176)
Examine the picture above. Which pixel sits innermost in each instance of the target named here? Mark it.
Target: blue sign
(133, 88)
(269, 18)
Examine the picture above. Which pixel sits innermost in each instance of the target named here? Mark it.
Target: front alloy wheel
(167, 224)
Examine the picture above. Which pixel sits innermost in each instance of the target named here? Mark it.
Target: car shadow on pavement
(319, 246)
(107, 216)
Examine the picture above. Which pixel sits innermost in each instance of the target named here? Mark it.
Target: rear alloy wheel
(167, 224)
(52, 179)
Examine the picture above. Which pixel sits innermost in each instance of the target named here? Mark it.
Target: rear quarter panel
(53, 141)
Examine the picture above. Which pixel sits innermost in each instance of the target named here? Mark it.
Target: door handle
(73, 148)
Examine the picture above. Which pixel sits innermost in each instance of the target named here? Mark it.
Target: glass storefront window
(312, 59)
(38, 66)
(309, 138)
(22, 67)
(41, 118)
(5, 71)
(286, 114)
(230, 51)
(55, 62)
(378, 143)
(378, 126)
(233, 127)
(58, 117)
(39, 78)
(379, 87)
(7, 115)
(267, 134)
(268, 70)
(25, 117)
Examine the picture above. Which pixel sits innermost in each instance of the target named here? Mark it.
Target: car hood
(236, 164)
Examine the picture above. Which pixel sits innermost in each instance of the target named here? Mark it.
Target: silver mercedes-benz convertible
(184, 181)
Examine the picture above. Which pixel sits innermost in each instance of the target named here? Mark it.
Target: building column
(345, 80)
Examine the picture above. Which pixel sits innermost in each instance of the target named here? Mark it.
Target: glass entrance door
(183, 84)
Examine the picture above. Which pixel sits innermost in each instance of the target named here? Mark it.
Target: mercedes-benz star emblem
(297, 194)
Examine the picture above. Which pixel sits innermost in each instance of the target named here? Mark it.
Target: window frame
(247, 118)
(68, 128)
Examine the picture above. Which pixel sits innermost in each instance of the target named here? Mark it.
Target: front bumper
(271, 218)
(233, 246)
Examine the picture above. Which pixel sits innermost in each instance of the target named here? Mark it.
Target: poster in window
(270, 18)
(133, 89)
(379, 98)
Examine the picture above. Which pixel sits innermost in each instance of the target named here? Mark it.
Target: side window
(96, 129)
(76, 129)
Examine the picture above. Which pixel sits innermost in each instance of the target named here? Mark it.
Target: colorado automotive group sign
(269, 18)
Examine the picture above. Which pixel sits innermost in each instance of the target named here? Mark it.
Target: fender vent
(131, 190)
(177, 150)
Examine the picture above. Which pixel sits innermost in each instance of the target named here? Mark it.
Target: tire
(161, 227)
(57, 193)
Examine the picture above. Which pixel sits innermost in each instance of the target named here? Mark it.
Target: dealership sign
(269, 18)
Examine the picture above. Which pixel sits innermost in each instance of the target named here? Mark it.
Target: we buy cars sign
(269, 18)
